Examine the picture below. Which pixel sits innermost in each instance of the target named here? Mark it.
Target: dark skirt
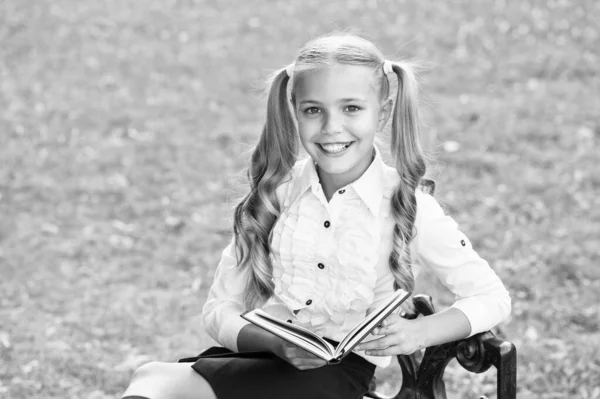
(263, 375)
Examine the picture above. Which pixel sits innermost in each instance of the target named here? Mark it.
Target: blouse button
(341, 191)
(321, 266)
(309, 302)
(326, 224)
(463, 243)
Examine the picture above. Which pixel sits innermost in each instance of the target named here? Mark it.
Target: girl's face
(338, 111)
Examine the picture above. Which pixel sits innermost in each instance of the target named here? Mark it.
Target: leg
(157, 380)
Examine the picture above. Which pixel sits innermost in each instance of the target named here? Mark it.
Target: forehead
(336, 82)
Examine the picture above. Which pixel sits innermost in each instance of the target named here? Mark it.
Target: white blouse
(330, 260)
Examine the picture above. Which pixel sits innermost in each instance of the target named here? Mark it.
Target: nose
(332, 123)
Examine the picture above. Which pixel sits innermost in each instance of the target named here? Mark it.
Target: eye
(312, 110)
(352, 108)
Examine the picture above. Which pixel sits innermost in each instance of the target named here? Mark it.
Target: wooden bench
(424, 379)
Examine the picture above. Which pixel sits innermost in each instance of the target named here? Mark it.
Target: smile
(334, 148)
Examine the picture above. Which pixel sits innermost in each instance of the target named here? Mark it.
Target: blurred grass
(124, 124)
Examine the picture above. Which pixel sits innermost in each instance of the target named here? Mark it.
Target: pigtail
(272, 159)
(410, 163)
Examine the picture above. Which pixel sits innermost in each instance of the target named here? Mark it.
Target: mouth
(334, 148)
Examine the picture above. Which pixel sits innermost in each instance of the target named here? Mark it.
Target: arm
(253, 338)
(442, 247)
(400, 336)
(223, 322)
(446, 326)
(482, 300)
(225, 304)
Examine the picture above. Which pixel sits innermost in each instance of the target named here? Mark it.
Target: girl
(321, 241)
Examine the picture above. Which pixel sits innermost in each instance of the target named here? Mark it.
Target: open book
(316, 345)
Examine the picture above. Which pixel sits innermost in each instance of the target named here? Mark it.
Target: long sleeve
(225, 304)
(441, 246)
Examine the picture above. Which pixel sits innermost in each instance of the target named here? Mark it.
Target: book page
(297, 335)
(364, 328)
(301, 331)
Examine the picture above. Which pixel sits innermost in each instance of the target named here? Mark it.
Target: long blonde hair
(276, 152)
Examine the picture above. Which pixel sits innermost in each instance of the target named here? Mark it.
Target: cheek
(307, 129)
(365, 127)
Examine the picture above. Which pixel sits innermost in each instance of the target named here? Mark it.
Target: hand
(297, 357)
(399, 337)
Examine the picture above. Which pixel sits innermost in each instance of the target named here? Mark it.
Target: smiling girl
(321, 241)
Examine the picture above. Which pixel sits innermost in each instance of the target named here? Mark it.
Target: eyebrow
(341, 100)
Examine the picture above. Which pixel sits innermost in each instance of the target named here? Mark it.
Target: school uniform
(330, 268)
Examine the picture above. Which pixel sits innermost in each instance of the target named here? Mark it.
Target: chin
(335, 167)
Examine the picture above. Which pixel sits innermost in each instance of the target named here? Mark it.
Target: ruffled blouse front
(325, 254)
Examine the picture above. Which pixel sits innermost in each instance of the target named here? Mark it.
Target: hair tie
(290, 70)
(387, 67)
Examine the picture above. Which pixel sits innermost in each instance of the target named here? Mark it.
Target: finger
(308, 365)
(378, 343)
(395, 323)
(387, 330)
(384, 323)
(387, 322)
(392, 319)
(380, 330)
(389, 351)
(315, 364)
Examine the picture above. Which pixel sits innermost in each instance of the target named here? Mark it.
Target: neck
(331, 182)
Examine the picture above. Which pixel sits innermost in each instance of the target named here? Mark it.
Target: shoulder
(430, 218)
(436, 229)
(426, 203)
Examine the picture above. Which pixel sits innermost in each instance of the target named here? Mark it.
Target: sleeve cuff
(230, 330)
(483, 313)
(379, 361)
(476, 314)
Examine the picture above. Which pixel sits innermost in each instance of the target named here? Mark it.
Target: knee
(168, 380)
(152, 370)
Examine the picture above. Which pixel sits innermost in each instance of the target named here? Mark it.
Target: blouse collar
(369, 187)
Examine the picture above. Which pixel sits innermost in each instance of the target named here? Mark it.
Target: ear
(384, 113)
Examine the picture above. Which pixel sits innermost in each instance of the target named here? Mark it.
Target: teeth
(335, 147)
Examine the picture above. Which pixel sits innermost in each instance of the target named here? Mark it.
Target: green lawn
(125, 124)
